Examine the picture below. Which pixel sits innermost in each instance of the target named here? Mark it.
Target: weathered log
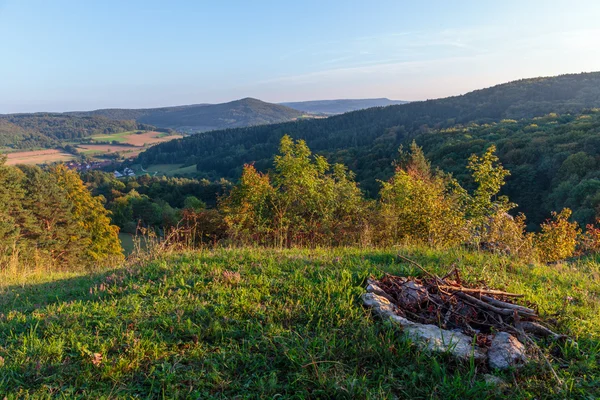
(502, 311)
(540, 330)
(480, 291)
(503, 304)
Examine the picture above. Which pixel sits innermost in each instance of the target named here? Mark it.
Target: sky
(66, 55)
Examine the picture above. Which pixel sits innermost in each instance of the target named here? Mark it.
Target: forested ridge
(448, 129)
(24, 131)
(204, 117)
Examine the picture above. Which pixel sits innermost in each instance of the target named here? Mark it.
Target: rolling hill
(204, 117)
(333, 107)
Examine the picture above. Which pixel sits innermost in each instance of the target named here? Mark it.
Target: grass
(127, 242)
(170, 169)
(255, 323)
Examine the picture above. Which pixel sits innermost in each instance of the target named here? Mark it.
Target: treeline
(224, 152)
(47, 130)
(48, 219)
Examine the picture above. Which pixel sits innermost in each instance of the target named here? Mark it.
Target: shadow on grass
(28, 297)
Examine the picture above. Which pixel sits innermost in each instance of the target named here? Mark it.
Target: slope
(45, 130)
(252, 323)
(205, 117)
(332, 107)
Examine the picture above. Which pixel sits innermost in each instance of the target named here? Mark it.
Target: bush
(558, 238)
(419, 206)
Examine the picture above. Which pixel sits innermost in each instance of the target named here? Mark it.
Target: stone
(506, 351)
(427, 337)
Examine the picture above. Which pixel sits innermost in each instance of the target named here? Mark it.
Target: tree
(90, 215)
(419, 205)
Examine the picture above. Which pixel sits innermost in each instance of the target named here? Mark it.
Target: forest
(537, 126)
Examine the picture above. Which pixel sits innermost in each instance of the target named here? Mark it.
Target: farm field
(131, 144)
(38, 157)
(136, 139)
(98, 150)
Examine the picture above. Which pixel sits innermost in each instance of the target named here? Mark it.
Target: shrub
(421, 206)
(558, 238)
(506, 234)
(589, 242)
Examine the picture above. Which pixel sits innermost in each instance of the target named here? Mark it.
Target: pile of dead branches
(450, 304)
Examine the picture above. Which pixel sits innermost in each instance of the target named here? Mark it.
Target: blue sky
(76, 55)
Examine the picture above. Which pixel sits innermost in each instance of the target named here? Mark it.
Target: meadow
(167, 169)
(265, 323)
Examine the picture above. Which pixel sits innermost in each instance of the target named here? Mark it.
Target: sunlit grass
(255, 323)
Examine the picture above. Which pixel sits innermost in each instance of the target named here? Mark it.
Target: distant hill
(332, 107)
(204, 117)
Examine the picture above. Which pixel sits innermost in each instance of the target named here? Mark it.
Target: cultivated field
(149, 138)
(131, 144)
(38, 157)
(105, 149)
(137, 142)
(136, 139)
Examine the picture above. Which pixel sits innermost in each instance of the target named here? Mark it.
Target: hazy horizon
(76, 56)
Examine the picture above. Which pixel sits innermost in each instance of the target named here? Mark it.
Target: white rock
(506, 351)
(429, 337)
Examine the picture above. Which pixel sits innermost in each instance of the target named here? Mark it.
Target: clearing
(256, 323)
(167, 169)
(131, 143)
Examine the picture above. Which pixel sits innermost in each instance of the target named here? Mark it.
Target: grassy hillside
(262, 323)
(332, 107)
(205, 117)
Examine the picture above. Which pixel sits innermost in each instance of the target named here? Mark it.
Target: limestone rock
(506, 351)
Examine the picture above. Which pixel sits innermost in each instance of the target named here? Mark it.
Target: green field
(254, 323)
(168, 169)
